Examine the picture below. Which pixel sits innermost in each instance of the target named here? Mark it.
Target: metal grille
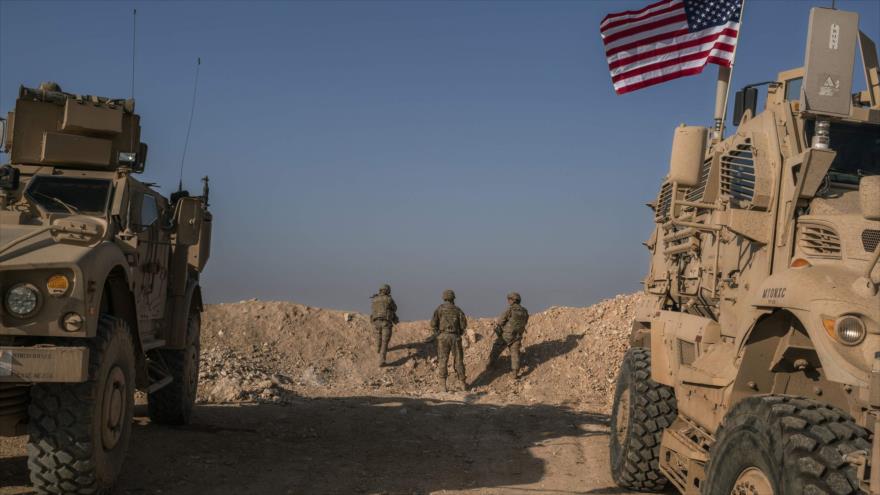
(819, 241)
(696, 194)
(663, 202)
(738, 173)
(870, 239)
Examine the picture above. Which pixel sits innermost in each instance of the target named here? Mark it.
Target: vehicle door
(151, 258)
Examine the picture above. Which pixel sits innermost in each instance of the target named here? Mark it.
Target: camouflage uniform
(447, 324)
(384, 315)
(510, 327)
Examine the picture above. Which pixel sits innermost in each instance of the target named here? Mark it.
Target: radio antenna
(134, 14)
(192, 111)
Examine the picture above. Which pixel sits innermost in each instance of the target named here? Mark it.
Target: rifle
(497, 329)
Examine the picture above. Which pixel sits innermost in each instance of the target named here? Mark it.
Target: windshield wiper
(70, 208)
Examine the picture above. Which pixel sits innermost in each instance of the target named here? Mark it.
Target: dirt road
(292, 402)
(449, 443)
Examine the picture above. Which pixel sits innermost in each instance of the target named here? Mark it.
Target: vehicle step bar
(151, 344)
(157, 385)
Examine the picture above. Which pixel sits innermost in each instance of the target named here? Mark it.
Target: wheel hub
(752, 481)
(113, 410)
(622, 418)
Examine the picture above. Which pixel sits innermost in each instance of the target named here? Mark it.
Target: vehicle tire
(173, 403)
(785, 446)
(642, 409)
(79, 432)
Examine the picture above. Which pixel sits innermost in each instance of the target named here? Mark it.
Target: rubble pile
(265, 351)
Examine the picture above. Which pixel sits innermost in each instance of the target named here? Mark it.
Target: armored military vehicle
(99, 279)
(755, 366)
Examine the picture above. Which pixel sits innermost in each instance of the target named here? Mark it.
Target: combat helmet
(449, 295)
(515, 297)
(385, 289)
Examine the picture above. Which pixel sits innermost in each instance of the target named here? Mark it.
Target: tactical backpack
(382, 308)
(449, 319)
(519, 317)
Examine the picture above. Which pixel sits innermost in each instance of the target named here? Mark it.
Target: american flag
(669, 39)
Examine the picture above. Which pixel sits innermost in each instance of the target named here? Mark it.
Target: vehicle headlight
(850, 330)
(22, 299)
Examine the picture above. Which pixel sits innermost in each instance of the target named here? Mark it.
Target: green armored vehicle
(99, 280)
(755, 365)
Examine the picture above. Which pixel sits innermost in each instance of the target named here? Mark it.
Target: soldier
(384, 315)
(509, 328)
(448, 323)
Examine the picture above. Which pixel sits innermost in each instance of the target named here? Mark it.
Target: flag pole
(722, 87)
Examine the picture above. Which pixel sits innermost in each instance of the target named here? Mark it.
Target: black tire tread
(166, 405)
(60, 447)
(653, 409)
(815, 438)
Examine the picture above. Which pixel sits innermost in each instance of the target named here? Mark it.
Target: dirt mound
(273, 351)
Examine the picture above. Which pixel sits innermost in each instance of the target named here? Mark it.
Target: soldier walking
(384, 315)
(509, 328)
(448, 324)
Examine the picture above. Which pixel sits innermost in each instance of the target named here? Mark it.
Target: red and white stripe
(653, 45)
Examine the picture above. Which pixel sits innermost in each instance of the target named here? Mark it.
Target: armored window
(857, 148)
(58, 194)
(149, 211)
(793, 88)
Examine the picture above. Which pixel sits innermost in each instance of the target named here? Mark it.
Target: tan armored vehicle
(99, 279)
(755, 367)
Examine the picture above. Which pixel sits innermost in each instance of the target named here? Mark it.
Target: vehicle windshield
(69, 194)
(858, 151)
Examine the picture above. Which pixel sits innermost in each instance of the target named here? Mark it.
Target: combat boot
(463, 384)
(445, 386)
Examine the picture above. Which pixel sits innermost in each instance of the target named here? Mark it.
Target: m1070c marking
(774, 293)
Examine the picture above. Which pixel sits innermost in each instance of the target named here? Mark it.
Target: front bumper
(44, 364)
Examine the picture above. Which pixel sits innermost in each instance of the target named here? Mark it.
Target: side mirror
(9, 178)
(746, 99)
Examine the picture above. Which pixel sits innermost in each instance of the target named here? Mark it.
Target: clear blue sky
(468, 145)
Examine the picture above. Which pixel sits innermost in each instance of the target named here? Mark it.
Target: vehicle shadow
(532, 356)
(352, 445)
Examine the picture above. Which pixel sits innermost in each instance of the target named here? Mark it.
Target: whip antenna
(134, 14)
(192, 111)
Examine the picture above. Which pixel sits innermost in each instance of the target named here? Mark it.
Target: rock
(269, 352)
